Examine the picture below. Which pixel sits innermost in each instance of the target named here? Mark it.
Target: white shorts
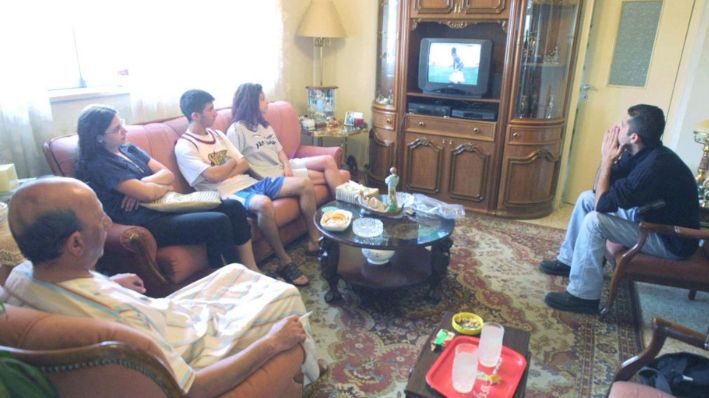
(298, 167)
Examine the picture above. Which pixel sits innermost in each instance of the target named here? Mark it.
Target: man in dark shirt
(638, 180)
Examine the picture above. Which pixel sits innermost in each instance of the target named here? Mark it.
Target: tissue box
(8, 177)
(348, 191)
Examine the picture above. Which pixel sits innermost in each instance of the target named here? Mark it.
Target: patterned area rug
(372, 339)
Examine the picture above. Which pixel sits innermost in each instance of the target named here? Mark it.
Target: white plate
(339, 226)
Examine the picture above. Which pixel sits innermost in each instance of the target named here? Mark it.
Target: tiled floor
(559, 219)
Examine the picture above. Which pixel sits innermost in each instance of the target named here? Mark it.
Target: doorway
(633, 56)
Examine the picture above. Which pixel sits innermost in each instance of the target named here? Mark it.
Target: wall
(691, 103)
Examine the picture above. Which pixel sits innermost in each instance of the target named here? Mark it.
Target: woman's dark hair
(245, 107)
(647, 121)
(44, 239)
(93, 123)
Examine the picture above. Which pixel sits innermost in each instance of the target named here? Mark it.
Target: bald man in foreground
(214, 332)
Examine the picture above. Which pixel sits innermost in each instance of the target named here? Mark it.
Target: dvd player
(429, 109)
(475, 113)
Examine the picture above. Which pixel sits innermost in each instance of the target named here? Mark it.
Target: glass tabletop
(406, 230)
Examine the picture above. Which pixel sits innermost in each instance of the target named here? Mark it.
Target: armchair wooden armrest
(131, 248)
(691, 272)
(107, 369)
(661, 330)
(647, 227)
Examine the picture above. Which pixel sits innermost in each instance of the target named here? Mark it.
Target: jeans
(585, 242)
(219, 229)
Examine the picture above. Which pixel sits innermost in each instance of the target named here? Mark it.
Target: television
(455, 67)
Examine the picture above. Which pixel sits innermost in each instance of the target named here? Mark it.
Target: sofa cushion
(282, 117)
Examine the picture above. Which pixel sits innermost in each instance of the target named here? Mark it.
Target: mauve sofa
(133, 249)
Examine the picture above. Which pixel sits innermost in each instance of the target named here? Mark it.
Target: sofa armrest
(135, 241)
(336, 152)
(107, 369)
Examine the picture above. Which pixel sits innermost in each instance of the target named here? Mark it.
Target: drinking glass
(491, 344)
(465, 367)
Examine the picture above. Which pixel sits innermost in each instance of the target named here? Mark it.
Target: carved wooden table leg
(440, 258)
(329, 257)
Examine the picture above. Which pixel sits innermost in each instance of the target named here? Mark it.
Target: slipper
(274, 276)
(290, 272)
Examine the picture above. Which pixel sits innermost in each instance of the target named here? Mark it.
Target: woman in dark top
(124, 176)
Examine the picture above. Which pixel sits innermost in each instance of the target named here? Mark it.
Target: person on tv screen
(457, 75)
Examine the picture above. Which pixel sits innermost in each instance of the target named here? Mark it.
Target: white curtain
(213, 45)
(155, 49)
(25, 113)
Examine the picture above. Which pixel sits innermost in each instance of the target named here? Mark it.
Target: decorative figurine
(392, 181)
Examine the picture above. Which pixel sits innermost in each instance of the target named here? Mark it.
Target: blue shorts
(269, 186)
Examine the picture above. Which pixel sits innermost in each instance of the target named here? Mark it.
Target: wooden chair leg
(612, 292)
(692, 294)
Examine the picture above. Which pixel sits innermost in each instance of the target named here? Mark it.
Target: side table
(343, 132)
(514, 338)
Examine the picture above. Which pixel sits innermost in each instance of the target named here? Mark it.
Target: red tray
(511, 370)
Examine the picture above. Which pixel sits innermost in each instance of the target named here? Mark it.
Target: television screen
(455, 67)
(457, 63)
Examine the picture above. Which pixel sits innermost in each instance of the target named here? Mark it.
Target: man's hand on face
(611, 148)
(286, 333)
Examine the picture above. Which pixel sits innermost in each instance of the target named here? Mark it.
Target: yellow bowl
(467, 323)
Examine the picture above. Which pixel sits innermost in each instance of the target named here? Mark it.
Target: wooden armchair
(661, 330)
(690, 273)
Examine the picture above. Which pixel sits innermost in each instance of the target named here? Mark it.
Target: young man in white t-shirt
(209, 161)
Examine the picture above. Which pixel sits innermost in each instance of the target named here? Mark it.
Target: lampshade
(702, 126)
(321, 20)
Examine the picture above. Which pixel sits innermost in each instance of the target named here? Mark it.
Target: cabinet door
(469, 164)
(423, 163)
(433, 6)
(530, 169)
(484, 6)
(546, 52)
(381, 156)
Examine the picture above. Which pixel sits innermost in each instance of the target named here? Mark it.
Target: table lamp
(701, 135)
(321, 22)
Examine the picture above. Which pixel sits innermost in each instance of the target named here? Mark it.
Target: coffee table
(514, 338)
(409, 235)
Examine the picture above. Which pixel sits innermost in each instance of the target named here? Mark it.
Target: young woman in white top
(255, 139)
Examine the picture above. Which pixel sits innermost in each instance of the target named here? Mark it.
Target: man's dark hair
(44, 238)
(647, 121)
(194, 101)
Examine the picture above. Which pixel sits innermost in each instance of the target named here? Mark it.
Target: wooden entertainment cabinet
(508, 166)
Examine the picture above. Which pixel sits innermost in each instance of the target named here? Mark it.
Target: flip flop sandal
(290, 272)
(274, 276)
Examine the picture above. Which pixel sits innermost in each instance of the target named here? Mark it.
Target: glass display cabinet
(547, 42)
(386, 53)
(382, 136)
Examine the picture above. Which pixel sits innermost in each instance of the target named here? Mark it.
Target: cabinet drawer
(455, 127)
(533, 135)
(384, 120)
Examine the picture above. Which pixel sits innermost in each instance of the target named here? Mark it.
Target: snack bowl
(467, 323)
(336, 220)
(367, 227)
(376, 256)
